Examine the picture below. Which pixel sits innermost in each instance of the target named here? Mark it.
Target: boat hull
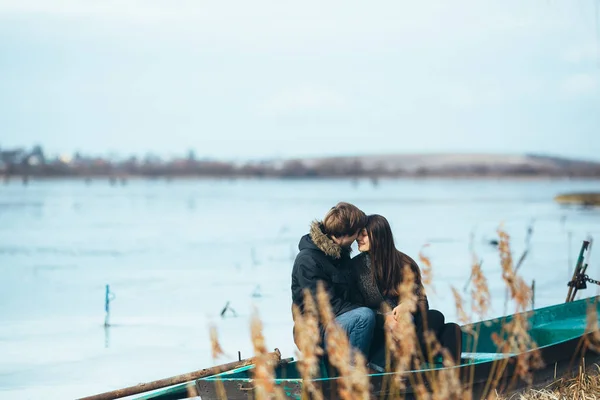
(560, 332)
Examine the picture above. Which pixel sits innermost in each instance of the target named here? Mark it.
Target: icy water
(174, 253)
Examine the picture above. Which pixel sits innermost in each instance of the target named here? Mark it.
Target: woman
(379, 272)
(380, 267)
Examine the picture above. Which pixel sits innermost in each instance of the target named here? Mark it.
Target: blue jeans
(359, 325)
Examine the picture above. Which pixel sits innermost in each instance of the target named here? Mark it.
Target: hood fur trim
(323, 242)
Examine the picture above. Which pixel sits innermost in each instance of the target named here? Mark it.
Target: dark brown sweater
(369, 294)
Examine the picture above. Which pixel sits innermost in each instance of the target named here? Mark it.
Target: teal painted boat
(558, 330)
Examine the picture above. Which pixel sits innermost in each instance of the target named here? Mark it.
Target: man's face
(345, 241)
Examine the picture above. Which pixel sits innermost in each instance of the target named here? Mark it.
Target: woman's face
(363, 241)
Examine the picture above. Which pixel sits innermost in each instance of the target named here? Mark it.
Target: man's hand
(390, 321)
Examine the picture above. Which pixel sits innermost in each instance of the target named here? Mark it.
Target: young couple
(359, 287)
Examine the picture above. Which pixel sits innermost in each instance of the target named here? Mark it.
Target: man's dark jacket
(320, 259)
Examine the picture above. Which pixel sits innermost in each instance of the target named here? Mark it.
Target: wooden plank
(174, 380)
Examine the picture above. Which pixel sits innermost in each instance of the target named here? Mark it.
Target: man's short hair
(344, 219)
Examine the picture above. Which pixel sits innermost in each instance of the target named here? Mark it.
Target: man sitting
(324, 256)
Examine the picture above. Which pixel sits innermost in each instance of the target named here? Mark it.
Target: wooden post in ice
(107, 307)
(107, 299)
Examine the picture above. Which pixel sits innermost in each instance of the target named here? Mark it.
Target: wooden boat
(558, 330)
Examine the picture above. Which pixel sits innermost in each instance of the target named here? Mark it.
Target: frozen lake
(175, 253)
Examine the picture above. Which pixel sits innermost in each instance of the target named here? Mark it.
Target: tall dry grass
(309, 344)
(263, 372)
(426, 270)
(341, 356)
(216, 352)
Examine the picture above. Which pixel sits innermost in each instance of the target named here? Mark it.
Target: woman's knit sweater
(370, 293)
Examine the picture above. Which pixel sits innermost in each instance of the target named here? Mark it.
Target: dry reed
(339, 350)
(520, 292)
(515, 337)
(401, 336)
(404, 330)
(592, 340)
(426, 270)
(449, 381)
(359, 377)
(217, 351)
(480, 304)
(263, 371)
(308, 339)
(480, 294)
(458, 303)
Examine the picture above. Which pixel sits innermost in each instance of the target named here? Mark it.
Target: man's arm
(305, 275)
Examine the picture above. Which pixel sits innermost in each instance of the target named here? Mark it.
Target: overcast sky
(253, 79)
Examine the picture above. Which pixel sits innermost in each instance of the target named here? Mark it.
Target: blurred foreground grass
(583, 387)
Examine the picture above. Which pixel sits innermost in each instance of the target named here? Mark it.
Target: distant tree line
(34, 163)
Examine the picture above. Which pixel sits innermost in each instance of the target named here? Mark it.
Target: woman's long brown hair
(386, 261)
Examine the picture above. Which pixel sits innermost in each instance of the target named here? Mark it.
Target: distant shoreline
(373, 167)
(170, 178)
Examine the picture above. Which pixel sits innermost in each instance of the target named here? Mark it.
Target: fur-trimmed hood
(323, 242)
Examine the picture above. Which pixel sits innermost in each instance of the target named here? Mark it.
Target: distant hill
(449, 164)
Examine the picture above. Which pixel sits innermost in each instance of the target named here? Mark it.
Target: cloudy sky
(252, 79)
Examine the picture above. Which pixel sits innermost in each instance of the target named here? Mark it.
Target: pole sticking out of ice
(109, 296)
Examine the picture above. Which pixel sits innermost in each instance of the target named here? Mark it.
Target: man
(324, 256)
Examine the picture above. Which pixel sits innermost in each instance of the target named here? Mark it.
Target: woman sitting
(379, 273)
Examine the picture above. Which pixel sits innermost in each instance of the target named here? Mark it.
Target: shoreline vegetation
(33, 164)
(585, 199)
